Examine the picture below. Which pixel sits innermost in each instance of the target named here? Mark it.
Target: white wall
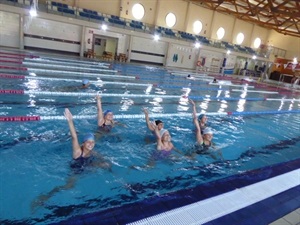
(181, 56)
(148, 50)
(9, 29)
(38, 31)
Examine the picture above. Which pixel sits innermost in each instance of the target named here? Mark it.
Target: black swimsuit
(201, 148)
(106, 128)
(80, 163)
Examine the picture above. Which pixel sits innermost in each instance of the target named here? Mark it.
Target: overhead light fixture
(33, 8)
(104, 27)
(295, 61)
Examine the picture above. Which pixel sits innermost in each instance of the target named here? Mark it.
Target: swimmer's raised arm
(194, 109)
(100, 117)
(199, 137)
(149, 124)
(75, 144)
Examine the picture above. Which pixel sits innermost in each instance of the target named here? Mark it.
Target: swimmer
(83, 156)
(202, 118)
(215, 80)
(163, 140)
(203, 137)
(158, 123)
(88, 144)
(85, 83)
(105, 119)
(190, 77)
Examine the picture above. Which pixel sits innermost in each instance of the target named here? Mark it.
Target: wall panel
(9, 29)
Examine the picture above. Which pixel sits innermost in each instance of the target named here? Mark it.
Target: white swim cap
(207, 130)
(162, 131)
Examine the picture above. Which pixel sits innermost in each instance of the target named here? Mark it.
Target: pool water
(36, 156)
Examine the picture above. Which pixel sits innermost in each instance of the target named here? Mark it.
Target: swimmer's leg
(40, 201)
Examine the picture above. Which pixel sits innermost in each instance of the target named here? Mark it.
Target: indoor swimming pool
(255, 126)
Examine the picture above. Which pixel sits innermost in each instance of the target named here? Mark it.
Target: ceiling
(280, 15)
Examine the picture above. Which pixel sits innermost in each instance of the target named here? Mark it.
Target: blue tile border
(286, 201)
(267, 210)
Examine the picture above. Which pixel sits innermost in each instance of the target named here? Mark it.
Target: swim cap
(201, 116)
(106, 111)
(85, 81)
(162, 131)
(88, 137)
(207, 130)
(158, 122)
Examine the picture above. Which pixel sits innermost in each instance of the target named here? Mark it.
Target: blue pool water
(36, 156)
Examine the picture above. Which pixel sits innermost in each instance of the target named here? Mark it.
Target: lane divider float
(76, 94)
(9, 76)
(142, 116)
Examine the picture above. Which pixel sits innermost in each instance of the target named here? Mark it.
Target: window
(257, 42)
(138, 11)
(240, 38)
(197, 27)
(220, 33)
(170, 20)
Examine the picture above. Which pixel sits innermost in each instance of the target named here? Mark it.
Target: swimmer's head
(162, 132)
(165, 135)
(158, 122)
(88, 137)
(208, 130)
(201, 116)
(85, 82)
(107, 112)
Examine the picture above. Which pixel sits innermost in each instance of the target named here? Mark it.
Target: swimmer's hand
(98, 97)
(68, 114)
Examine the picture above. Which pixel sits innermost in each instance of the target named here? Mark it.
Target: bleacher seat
(136, 24)
(63, 8)
(116, 20)
(187, 36)
(250, 50)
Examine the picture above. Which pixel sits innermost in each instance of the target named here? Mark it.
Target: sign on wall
(181, 56)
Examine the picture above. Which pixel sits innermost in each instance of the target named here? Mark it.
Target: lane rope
(142, 116)
(263, 92)
(58, 66)
(40, 60)
(76, 94)
(9, 76)
(80, 73)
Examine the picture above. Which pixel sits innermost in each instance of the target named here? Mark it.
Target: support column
(82, 42)
(129, 48)
(21, 32)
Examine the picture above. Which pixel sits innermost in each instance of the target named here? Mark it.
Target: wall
(178, 7)
(181, 56)
(111, 7)
(198, 13)
(10, 29)
(245, 28)
(48, 34)
(149, 7)
(148, 50)
(225, 21)
(290, 43)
